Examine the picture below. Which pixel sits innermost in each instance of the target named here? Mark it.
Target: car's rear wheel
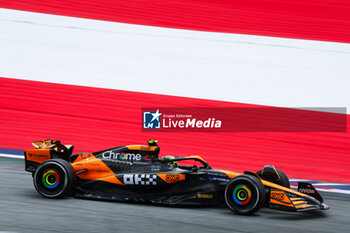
(245, 194)
(55, 178)
(284, 180)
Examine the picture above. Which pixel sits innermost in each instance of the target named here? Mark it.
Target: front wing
(294, 201)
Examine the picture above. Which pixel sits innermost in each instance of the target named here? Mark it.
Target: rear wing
(34, 157)
(45, 150)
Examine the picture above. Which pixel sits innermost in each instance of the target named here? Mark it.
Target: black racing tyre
(245, 194)
(55, 178)
(283, 176)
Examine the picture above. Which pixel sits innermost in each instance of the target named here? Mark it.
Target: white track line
(335, 191)
(12, 156)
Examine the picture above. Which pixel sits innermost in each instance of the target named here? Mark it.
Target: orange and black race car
(135, 173)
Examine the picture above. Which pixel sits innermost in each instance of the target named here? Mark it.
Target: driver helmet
(171, 163)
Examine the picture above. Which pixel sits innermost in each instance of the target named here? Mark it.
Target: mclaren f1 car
(136, 173)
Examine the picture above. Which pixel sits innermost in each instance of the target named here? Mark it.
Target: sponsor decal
(140, 179)
(35, 155)
(207, 196)
(218, 179)
(146, 148)
(103, 171)
(278, 196)
(304, 190)
(172, 178)
(155, 168)
(121, 155)
(92, 164)
(217, 174)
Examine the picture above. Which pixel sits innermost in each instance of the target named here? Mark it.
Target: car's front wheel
(245, 194)
(55, 178)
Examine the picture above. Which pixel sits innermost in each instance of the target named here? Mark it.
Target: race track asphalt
(23, 210)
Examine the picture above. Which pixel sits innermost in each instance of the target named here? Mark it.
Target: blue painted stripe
(11, 151)
(342, 187)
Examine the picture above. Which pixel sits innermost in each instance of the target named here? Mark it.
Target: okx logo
(151, 120)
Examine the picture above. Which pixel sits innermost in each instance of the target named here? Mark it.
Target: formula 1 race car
(136, 173)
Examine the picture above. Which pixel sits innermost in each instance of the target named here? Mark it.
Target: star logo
(156, 115)
(152, 120)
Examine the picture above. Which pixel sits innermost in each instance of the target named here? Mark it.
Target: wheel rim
(50, 179)
(242, 195)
